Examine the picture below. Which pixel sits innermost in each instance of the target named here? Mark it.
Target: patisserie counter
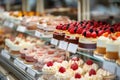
(57, 48)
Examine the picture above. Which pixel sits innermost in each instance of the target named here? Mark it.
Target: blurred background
(99, 9)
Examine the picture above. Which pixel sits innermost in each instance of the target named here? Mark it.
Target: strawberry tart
(90, 65)
(92, 75)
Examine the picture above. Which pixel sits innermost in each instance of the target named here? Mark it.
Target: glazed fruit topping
(77, 75)
(89, 62)
(94, 35)
(62, 69)
(50, 63)
(92, 72)
(74, 66)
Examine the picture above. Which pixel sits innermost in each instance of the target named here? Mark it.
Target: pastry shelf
(20, 70)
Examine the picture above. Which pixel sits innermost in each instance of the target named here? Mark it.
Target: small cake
(112, 48)
(49, 69)
(59, 32)
(76, 60)
(71, 35)
(101, 44)
(29, 57)
(63, 74)
(90, 65)
(92, 75)
(106, 75)
(23, 52)
(77, 76)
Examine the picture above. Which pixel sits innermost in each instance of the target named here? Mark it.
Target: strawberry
(94, 35)
(89, 62)
(88, 34)
(79, 30)
(72, 31)
(74, 66)
(50, 63)
(62, 69)
(75, 58)
(100, 32)
(92, 72)
(77, 75)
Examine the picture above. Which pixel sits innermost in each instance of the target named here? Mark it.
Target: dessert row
(44, 24)
(75, 69)
(84, 33)
(108, 46)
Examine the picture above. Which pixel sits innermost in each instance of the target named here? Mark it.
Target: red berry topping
(62, 69)
(79, 30)
(100, 32)
(74, 66)
(72, 31)
(89, 62)
(94, 35)
(77, 75)
(92, 72)
(88, 34)
(50, 63)
(75, 58)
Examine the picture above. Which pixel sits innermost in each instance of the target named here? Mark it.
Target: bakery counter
(18, 68)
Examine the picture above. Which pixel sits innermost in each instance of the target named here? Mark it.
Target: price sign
(110, 66)
(5, 54)
(21, 28)
(20, 64)
(63, 45)
(31, 72)
(54, 41)
(11, 25)
(38, 34)
(72, 48)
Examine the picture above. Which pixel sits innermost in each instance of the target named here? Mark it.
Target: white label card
(63, 45)
(38, 34)
(31, 72)
(21, 28)
(11, 25)
(72, 48)
(109, 66)
(20, 64)
(5, 54)
(54, 41)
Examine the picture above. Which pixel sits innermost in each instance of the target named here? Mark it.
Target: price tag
(38, 34)
(109, 66)
(54, 41)
(118, 71)
(5, 54)
(21, 28)
(31, 72)
(63, 45)
(11, 25)
(20, 64)
(72, 48)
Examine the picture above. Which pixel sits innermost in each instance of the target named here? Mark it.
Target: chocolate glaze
(87, 46)
(58, 36)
